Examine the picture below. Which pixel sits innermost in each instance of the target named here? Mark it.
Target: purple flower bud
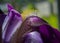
(11, 23)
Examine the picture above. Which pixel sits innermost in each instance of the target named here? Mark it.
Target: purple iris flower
(48, 33)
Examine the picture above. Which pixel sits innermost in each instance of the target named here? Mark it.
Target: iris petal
(33, 37)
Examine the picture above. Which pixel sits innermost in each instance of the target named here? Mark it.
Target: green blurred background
(46, 9)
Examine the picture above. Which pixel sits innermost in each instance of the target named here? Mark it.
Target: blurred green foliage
(51, 1)
(52, 20)
(19, 3)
